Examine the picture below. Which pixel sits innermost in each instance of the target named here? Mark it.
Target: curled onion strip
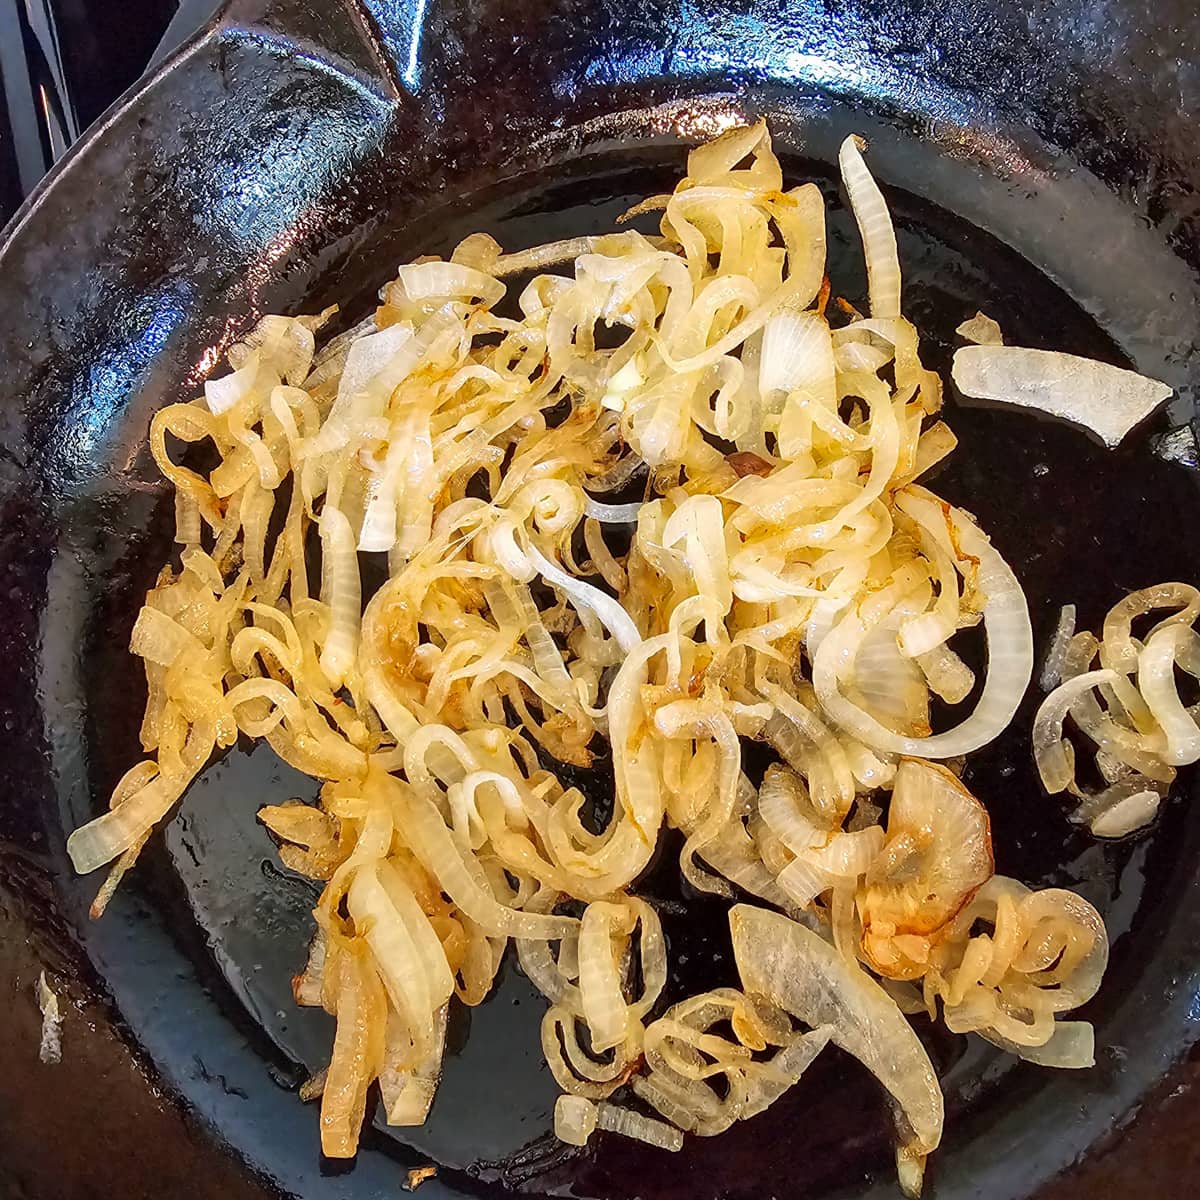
(1010, 659)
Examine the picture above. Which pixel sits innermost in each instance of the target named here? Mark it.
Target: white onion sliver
(604, 1007)
(612, 514)
(1127, 815)
(624, 1121)
(1064, 631)
(1109, 401)
(574, 1120)
(797, 352)
(343, 594)
(875, 228)
(1072, 1046)
(608, 611)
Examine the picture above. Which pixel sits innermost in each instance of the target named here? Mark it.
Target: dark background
(62, 63)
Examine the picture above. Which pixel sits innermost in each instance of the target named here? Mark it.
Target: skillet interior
(197, 954)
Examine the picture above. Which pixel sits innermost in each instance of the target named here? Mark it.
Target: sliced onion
(797, 355)
(938, 853)
(1072, 1046)
(444, 280)
(1010, 661)
(374, 366)
(158, 638)
(784, 804)
(1054, 756)
(1107, 400)
(223, 394)
(407, 1093)
(630, 1124)
(429, 950)
(400, 966)
(1156, 682)
(343, 594)
(947, 674)
(358, 1047)
(784, 580)
(892, 685)
(1064, 631)
(612, 514)
(574, 1120)
(1118, 650)
(606, 610)
(799, 971)
(875, 228)
(1126, 815)
(102, 839)
(433, 844)
(542, 256)
(603, 1005)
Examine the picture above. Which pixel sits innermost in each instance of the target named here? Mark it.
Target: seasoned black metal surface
(1039, 164)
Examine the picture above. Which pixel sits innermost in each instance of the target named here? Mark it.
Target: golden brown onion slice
(937, 854)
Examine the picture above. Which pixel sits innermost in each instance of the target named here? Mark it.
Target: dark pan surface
(294, 157)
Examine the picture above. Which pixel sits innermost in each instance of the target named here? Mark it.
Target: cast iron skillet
(1039, 160)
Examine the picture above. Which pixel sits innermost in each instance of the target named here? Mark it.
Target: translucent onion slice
(432, 842)
(1126, 815)
(797, 355)
(1168, 647)
(947, 675)
(607, 610)
(343, 593)
(444, 280)
(1118, 650)
(1054, 756)
(937, 855)
(374, 366)
(160, 639)
(1066, 947)
(1107, 400)
(407, 1093)
(103, 838)
(604, 1006)
(799, 971)
(358, 1049)
(892, 686)
(627, 1123)
(784, 1070)
(574, 1120)
(611, 514)
(1071, 1047)
(1064, 631)
(784, 804)
(1010, 658)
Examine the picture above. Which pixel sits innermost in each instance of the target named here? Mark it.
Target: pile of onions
(714, 533)
(1122, 694)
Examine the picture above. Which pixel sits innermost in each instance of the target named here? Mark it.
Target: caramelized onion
(762, 564)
